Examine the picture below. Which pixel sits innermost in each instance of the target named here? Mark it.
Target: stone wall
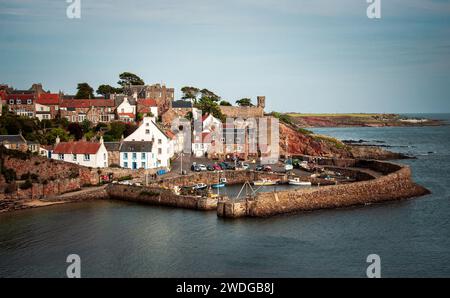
(233, 177)
(396, 185)
(158, 196)
(242, 112)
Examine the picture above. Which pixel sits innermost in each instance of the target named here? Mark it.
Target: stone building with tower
(245, 112)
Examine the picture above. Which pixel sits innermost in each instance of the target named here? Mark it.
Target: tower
(261, 101)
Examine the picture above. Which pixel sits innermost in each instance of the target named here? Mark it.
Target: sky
(311, 56)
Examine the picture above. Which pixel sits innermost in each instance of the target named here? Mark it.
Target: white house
(126, 111)
(162, 146)
(83, 153)
(201, 144)
(211, 123)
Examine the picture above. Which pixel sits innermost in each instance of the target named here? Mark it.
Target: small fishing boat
(200, 186)
(222, 183)
(264, 182)
(296, 181)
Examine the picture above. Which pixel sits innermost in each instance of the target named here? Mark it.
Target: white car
(288, 167)
(203, 168)
(245, 166)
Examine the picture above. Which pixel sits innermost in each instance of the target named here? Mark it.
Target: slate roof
(136, 147)
(12, 139)
(112, 146)
(179, 104)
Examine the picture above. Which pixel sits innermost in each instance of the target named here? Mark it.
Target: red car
(217, 167)
(267, 169)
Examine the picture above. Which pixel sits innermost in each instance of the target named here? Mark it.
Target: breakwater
(395, 184)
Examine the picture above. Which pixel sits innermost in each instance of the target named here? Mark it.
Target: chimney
(58, 140)
(261, 101)
(101, 139)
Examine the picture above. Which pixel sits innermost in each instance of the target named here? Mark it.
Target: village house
(14, 142)
(126, 110)
(147, 107)
(94, 110)
(82, 153)
(162, 146)
(21, 103)
(160, 93)
(113, 149)
(137, 155)
(47, 106)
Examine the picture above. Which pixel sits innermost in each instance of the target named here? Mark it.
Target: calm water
(125, 240)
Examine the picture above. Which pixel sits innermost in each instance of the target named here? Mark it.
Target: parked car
(267, 169)
(259, 168)
(211, 168)
(217, 167)
(203, 168)
(224, 166)
(245, 166)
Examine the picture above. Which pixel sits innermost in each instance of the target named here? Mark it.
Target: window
(29, 101)
(159, 151)
(61, 156)
(104, 156)
(143, 155)
(74, 157)
(159, 141)
(134, 155)
(18, 101)
(125, 156)
(125, 164)
(143, 165)
(147, 124)
(147, 131)
(87, 157)
(11, 101)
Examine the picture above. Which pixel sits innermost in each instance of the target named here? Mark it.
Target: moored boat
(296, 181)
(264, 182)
(222, 183)
(200, 186)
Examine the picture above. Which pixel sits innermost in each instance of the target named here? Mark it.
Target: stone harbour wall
(158, 196)
(396, 185)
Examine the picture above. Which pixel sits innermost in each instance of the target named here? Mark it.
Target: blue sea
(116, 239)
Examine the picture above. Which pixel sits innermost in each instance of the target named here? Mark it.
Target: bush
(124, 178)
(25, 176)
(26, 185)
(9, 174)
(338, 144)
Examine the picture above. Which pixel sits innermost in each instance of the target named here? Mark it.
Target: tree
(75, 130)
(244, 102)
(107, 90)
(84, 91)
(128, 78)
(50, 137)
(225, 103)
(209, 94)
(86, 126)
(210, 106)
(190, 93)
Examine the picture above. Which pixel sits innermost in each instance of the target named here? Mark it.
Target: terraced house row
(35, 102)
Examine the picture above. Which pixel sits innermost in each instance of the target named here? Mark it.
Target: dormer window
(19, 102)
(11, 101)
(29, 101)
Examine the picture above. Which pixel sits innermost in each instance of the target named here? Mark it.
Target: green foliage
(209, 105)
(84, 91)
(50, 137)
(75, 130)
(225, 103)
(124, 178)
(26, 185)
(107, 90)
(128, 78)
(90, 135)
(117, 130)
(244, 102)
(283, 118)
(190, 93)
(335, 142)
(305, 131)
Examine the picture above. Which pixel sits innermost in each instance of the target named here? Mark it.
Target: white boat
(296, 181)
(200, 186)
(264, 182)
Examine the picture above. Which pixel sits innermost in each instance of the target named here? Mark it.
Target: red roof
(87, 103)
(48, 99)
(131, 115)
(20, 96)
(147, 102)
(170, 134)
(81, 147)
